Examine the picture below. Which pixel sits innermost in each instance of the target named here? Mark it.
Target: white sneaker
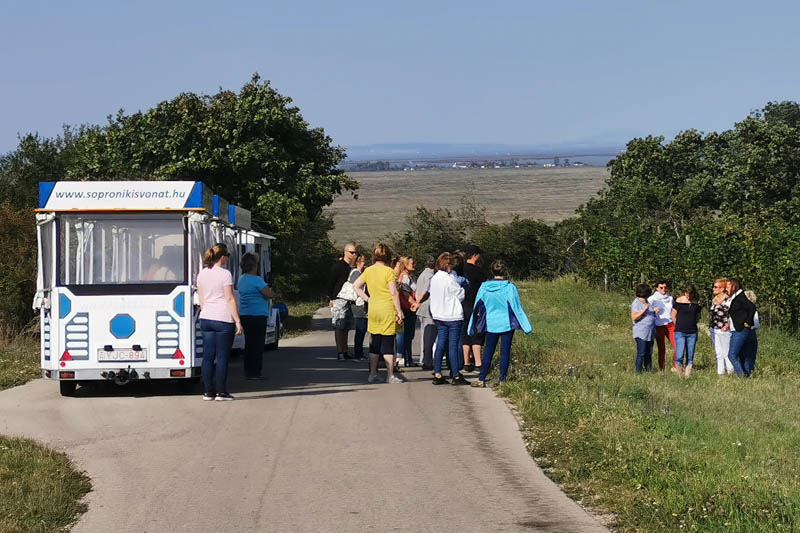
(394, 379)
(375, 378)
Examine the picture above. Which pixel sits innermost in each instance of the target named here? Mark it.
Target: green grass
(658, 452)
(40, 490)
(300, 317)
(19, 362)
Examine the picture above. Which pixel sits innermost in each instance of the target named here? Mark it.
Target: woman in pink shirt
(219, 320)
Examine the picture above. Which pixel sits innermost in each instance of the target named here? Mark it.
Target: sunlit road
(314, 448)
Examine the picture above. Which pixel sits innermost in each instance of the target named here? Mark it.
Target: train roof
(139, 196)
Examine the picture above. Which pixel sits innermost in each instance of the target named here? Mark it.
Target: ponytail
(214, 254)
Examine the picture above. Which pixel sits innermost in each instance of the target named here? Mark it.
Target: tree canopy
(252, 147)
(705, 205)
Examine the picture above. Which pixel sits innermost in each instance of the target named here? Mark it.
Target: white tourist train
(116, 270)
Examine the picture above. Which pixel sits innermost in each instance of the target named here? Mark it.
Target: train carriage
(117, 262)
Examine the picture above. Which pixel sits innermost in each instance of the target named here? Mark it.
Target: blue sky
(514, 72)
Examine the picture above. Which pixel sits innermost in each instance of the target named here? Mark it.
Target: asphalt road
(313, 448)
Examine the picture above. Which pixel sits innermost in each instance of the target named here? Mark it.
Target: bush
(18, 265)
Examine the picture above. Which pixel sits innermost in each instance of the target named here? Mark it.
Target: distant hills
(417, 151)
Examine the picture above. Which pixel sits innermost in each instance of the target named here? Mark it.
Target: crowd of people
(658, 316)
(458, 307)
(463, 314)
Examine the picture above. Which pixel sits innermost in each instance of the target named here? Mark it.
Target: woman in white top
(665, 327)
(445, 307)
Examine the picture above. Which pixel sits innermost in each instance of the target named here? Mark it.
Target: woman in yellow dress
(384, 314)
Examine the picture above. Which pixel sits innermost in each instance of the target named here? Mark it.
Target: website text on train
(116, 272)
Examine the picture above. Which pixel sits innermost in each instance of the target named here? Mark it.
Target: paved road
(314, 448)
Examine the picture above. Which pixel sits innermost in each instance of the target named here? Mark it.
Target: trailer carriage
(116, 277)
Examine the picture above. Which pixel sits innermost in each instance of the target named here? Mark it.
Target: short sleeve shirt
(686, 317)
(423, 284)
(251, 301)
(719, 315)
(211, 284)
(645, 327)
(381, 319)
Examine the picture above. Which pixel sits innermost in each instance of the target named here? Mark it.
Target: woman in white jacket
(445, 307)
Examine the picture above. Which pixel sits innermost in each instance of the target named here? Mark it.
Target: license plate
(113, 356)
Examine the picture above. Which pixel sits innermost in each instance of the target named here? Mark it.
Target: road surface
(313, 448)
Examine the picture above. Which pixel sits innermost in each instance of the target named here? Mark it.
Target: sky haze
(516, 72)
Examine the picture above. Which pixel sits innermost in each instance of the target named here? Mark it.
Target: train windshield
(99, 249)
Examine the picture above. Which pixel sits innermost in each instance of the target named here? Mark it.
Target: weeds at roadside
(19, 354)
(40, 490)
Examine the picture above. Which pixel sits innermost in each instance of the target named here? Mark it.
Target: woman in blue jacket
(497, 313)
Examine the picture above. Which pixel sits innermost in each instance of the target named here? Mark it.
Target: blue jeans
(361, 332)
(505, 353)
(644, 355)
(447, 338)
(742, 354)
(217, 344)
(687, 341)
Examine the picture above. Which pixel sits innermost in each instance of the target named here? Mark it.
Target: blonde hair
(403, 263)
(214, 254)
(381, 253)
(751, 296)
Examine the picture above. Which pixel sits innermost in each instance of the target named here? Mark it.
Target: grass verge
(40, 490)
(300, 319)
(19, 362)
(659, 452)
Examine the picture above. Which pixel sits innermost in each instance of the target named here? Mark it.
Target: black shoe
(459, 380)
(441, 380)
(469, 368)
(358, 358)
(427, 367)
(343, 356)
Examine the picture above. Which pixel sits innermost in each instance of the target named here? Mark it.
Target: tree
(702, 206)
(251, 147)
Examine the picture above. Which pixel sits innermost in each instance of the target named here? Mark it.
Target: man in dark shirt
(472, 344)
(340, 271)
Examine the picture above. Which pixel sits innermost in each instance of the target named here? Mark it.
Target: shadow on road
(289, 371)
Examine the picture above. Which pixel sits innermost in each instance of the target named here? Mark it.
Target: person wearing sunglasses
(719, 327)
(340, 273)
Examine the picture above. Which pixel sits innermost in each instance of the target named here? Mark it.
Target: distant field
(385, 198)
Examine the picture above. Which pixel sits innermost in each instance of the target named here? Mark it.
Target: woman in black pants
(254, 295)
